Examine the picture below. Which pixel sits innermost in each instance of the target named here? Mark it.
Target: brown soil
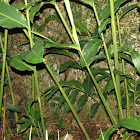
(92, 126)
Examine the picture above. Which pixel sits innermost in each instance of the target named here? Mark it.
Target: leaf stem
(67, 100)
(108, 57)
(123, 66)
(3, 67)
(116, 59)
(64, 21)
(39, 102)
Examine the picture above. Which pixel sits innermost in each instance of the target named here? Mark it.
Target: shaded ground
(93, 127)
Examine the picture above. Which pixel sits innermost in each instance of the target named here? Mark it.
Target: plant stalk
(39, 102)
(108, 57)
(112, 118)
(123, 66)
(116, 59)
(35, 73)
(3, 67)
(67, 100)
(64, 22)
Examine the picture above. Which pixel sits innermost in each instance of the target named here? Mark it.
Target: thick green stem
(108, 57)
(3, 68)
(39, 102)
(67, 100)
(64, 22)
(112, 118)
(135, 84)
(116, 59)
(123, 65)
(35, 73)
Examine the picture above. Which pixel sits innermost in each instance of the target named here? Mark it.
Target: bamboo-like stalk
(3, 67)
(123, 66)
(39, 102)
(64, 22)
(107, 55)
(67, 100)
(113, 120)
(10, 85)
(116, 59)
(35, 73)
(135, 82)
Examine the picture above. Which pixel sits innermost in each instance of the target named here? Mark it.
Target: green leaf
(68, 46)
(88, 85)
(136, 59)
(51, 94)
(94, 109)
(12, 107)
(61, 126)
(81, 26)
(20, 6)
(127, 9)
(105, 13)
(73, 84)
(103, 25)
(34, 10)
(17, 63)
(23, 121)
(62, 99)
(90, 50)
(107, 133)
(10, 17)
(90, 2)
(102, 71)
(68, 64)
(60, 52)
(81, 102)
(130, 123)
(125, 56)
(24, 127)
(72, 98)
(35, 55)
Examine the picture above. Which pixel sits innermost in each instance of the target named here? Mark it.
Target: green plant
(90, 52)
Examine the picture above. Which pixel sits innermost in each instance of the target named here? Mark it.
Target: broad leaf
(12, 107)
(130, 123)
(125, 56)
(107, 133)
(68, 64)
(90, 50)
(102, 71)
(136, 59)
(81, 26)
(72, 98)
(61, 126)
(105, 13)
(23, 121)
(34, 10)
(60, 52)
(24, 127)
(88, 85)
(17, 63)
(81, 102)
(90, 2)
(94, 109)
(68, 46)
(62, 99)
(103, 25)
(51, 94)
(35, 55)
(10, 17)
(127, 9)
(73, 84)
